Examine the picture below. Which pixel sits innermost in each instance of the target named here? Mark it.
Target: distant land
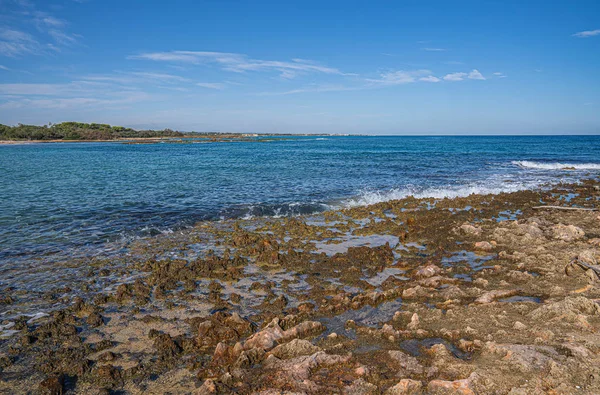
(78, 131)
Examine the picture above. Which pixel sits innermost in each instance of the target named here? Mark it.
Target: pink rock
(483, 246)
(443, 387)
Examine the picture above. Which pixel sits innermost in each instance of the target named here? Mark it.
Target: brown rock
(567, 232)
(361, 387)
(491, 296)
(94, 320)
(483, 246)
(52, 385)
(443, 387)
(295, 348)
(409, 364)
(427, 271)
(405, 387)
(470, 230)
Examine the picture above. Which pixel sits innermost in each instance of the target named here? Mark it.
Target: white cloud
(47, 36)
(500, 75)
(4, 68)
(430, 78)
(40, 89)
(315, 88)
(400, 77)
(455, 76)
(239, 63)
(75, 102)
(136, 77)
(587, 33)
(62, 38)
(211, 85)
(476, 75)
(434, 49)
(15, 43)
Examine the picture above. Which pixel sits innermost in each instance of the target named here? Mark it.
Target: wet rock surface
(402, 297)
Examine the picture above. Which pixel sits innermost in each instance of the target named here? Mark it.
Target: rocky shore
(488, 294)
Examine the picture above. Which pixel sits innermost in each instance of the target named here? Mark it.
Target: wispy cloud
(75, 102)
(499, 74)
(239, 63)
(15, 43)
(399, 77)
(76, 94)
(211, 85)
(315, 88)
(30, 31)
(429, 49)
(136, 77)
(587, 33)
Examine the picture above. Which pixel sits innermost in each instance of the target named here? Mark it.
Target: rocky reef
(487, 294)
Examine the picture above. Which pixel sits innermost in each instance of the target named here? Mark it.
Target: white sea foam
(372, 197)
(556, 166)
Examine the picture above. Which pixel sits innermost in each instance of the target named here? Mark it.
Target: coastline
(212, 137)
(425, 295)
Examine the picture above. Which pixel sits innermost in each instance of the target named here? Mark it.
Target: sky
(368, 67)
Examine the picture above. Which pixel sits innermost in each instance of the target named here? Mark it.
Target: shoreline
(216, 137)
(423, 295)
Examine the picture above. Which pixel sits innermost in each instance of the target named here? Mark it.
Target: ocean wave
(250, 211)
(367, 198)
(556, 165)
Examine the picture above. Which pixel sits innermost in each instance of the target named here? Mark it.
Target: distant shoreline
(212, 138)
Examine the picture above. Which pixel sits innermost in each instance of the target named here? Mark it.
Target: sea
(75, 199)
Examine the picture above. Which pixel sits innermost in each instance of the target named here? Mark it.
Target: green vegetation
(78, 131)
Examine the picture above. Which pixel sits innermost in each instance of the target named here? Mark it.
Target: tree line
(78, 131)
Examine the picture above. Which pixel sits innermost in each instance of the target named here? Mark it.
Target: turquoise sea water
(65, 198)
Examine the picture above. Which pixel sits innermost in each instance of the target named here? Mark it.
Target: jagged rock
(52, 385)
(519, 326)
(567, 309)
(567, 232)
(443, 387)
(361, 387)
(484, 246)
(94, 320)
(491, 296)
(470, 230)
(414, 322)
(207, 388)
(410, 365)
(427, 271)
(166, 346)
(294, 348)
(267, 338)
(405, 387)
(295, 373)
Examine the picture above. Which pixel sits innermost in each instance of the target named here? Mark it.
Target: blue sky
(378, 67)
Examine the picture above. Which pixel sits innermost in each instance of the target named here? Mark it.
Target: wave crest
(373, 197)
(556, 165)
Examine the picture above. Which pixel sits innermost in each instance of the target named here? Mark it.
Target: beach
(477, 294)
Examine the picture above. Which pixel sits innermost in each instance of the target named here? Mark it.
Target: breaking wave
(373, 197)
(556, 166)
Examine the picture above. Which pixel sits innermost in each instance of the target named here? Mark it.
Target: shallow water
(71, 199)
